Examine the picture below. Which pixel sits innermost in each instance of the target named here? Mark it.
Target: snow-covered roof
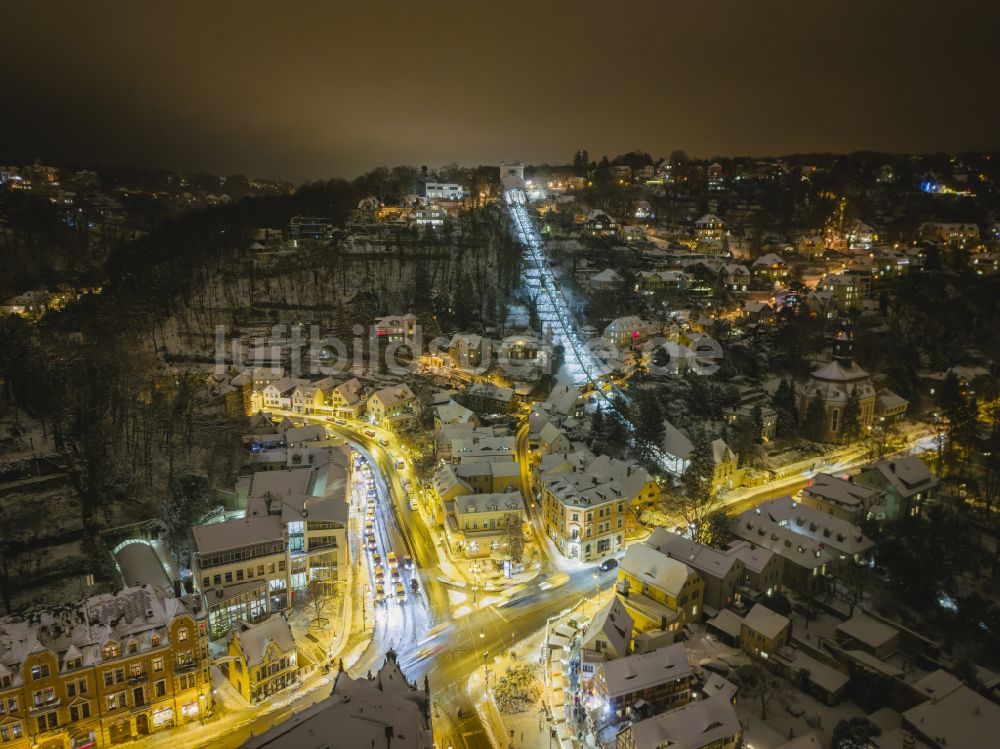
(704, 559)
(907, 474)
(867, 630)
(490, 391)
(358, 713)
(841, 492)
(697, 724)
(634, 673)
(282, 483)
(79, 629)
(889, 400)
(608, 275)
(472, 504)
(255, 639)
(655, 568)
(837, 372)
(614, 624)
(453, 413)
(392, 396)
(232, 534)
(953, 715)
(819, 526)
(675, 442)
(763, 620)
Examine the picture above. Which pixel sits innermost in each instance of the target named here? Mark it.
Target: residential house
(264, 657)
(490, 477)
(626, 332)
(868, 634)
(890, 407)
(721, 571)
(645, 683)
(841, 498)
(469, 352)
(383, 709)
(584, 514)
(443, 191)
(906, 484)
(392, 408)
(552, 439)
(763, 631)
(487, 398)
(451, 413)
(397, 328)
(661, 594)
(843, 540)
(735, 277)
(709, 228)
(705, 724)
(346, 400)
(599, 224)
(757, 313)
(609, 636)
(113, 668)
(805, 561)
(770, 266)
(278, 395)
(478, 525)
(607, 280)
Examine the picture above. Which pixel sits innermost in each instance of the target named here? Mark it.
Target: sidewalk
(531, 728)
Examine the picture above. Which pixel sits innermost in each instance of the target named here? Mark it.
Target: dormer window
(154, 641)
(111, 650)
(133, 647)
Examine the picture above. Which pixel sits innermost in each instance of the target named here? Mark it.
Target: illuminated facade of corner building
(103, 671)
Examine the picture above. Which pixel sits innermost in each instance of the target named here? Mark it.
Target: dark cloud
(315, 89)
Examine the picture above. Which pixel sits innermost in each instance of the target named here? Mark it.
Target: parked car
(408, 562)
(608, 564)
(391, 559)
(400, 592)
(384, 442)
(369, 433)
(414, 585)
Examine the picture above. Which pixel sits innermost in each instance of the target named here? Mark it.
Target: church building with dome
(834, 384)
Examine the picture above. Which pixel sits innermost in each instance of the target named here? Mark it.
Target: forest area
(90, 386)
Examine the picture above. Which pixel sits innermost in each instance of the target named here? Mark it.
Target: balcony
(138, 678)
(183, 668)
(40, 708)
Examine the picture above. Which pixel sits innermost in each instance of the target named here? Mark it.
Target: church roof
(837, 372)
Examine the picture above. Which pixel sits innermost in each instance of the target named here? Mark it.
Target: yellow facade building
(108, 670)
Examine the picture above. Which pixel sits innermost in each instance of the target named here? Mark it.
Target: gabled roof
(255, 639)
(634, 673)
(675, 442)
(907, 474)
(840, 491)
(614, 624)
(704, 559)
(765, 621)
(697, 724)
(655, 568)
(391, 396)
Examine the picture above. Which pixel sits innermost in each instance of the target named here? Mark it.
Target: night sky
(302, 90)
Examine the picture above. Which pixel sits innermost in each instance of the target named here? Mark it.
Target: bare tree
(317, 601)
(758, 683)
